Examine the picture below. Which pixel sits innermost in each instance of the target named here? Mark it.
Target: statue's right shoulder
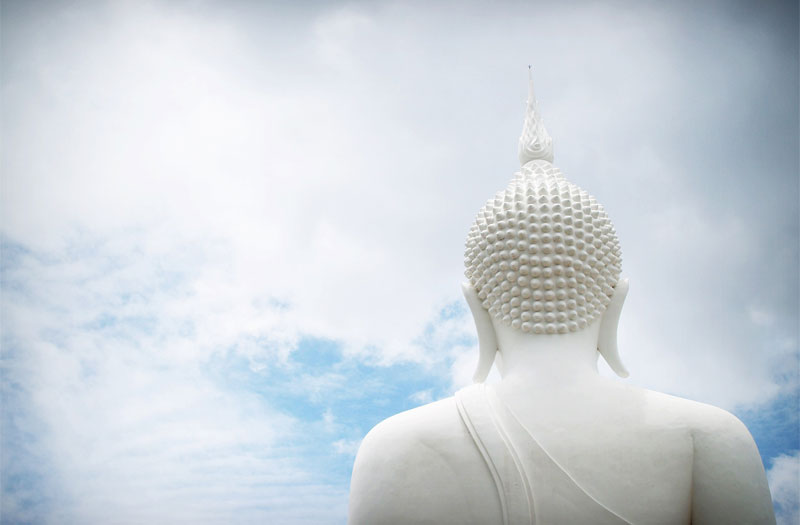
(729, 484)
(422, 466)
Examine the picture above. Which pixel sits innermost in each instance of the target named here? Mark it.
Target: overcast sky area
(232, 232)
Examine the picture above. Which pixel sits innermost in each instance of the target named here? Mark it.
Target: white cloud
(117, 375)
(348, 447)
(422, 397)
(329, 420)
(341, 34)
(784, 483)
(760, 316)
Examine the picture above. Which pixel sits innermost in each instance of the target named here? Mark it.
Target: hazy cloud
(784, 482)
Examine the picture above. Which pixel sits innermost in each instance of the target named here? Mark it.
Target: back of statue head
(542, 256)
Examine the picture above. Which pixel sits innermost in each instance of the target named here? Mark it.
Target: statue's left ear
(607, 341)
(487, 339)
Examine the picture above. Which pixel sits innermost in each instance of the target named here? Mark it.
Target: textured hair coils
(543, 255)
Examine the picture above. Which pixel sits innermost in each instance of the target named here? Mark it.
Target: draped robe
(533, 488)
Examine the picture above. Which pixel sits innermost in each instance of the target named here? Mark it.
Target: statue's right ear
(487, 338)
(607, 339)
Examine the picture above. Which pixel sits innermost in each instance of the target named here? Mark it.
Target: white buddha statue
(554, 442)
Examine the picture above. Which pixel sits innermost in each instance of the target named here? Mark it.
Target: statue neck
(548, 361)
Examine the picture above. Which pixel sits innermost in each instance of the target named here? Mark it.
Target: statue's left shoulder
(421, 466)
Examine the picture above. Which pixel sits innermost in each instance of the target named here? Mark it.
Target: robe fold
(532, 487)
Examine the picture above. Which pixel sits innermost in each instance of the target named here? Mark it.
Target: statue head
(542, 256)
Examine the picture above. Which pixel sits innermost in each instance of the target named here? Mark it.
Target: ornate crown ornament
(535, 142)
(542, 255)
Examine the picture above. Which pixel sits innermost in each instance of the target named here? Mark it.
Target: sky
(231, 233)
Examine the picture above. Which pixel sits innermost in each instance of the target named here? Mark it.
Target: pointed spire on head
(534, 143)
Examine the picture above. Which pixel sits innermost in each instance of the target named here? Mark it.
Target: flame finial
(535, 142)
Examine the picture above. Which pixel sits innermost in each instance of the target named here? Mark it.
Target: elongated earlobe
(487, 339)
(607, 341)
